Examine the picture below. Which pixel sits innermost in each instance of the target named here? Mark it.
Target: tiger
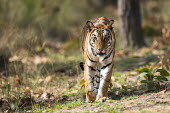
(98, 46)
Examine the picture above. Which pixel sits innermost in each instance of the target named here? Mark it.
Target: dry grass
(49, 82)
(41, 76)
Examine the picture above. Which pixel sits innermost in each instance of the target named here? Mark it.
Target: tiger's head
(100, 36)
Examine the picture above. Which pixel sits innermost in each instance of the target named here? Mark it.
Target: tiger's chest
(98, 60)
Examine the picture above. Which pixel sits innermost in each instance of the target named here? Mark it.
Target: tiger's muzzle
(100, 52)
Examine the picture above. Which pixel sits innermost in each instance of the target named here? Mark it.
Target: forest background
(40, 51)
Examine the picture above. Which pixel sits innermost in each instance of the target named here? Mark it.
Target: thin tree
(124, 15)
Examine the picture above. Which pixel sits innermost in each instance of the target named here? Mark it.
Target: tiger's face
(101, 40)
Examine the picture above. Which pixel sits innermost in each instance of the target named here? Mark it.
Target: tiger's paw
(87, 101)
(102, 99)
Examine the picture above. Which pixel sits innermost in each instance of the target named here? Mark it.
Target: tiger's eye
(93, 35)
(94, 39)
(106, 39)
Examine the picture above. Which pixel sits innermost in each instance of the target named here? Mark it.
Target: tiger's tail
(81, 66)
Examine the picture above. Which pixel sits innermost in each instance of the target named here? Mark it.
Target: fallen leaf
(8, 111)
(27, 91)
(113, 78)
(74, 91)
(17, 80)
(14, 58)
(160, 93)
(40, 81)
(40, 60)
(110, 101)
(24, 60)
(48, 105)
(52, 97)
(82, 82)
(44, 96)
(48, 79)
(26, 88)
(29, 111)
(37, 60)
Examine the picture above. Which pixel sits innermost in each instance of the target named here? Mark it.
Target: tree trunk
(130, 21)
(135, 24)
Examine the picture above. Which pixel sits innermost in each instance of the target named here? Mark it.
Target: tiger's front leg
(89, 74)
(105, 78)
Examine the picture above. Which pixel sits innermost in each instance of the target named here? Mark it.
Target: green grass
(69, 105)
(63, 84)
(117, 73)
(115, 109)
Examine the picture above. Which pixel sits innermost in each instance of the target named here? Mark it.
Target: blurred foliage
(150, 31)
(155, 74)
(62, 20)
(73, 44)
(28, 23)
(55, 17)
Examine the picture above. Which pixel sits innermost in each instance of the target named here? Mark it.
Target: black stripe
(91, 42)
(98, 76)
(91, 77)
(93, 51)
(91, 82)
(101, 76)
(96, 87)
(97, 81)
(108, 45)
(91, 68)
(108, 55)
(91, 59)
(98, 70)
(106, 65)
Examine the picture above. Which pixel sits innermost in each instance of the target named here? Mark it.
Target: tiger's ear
(89, 25)
(111, 22)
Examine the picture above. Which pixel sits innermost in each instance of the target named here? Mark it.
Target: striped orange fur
(98, 44)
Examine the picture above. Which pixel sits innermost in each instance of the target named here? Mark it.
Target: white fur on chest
(99, 58)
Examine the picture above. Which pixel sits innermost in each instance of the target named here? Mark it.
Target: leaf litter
(126, 91)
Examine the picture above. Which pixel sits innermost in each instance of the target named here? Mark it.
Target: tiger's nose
(100, 49)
